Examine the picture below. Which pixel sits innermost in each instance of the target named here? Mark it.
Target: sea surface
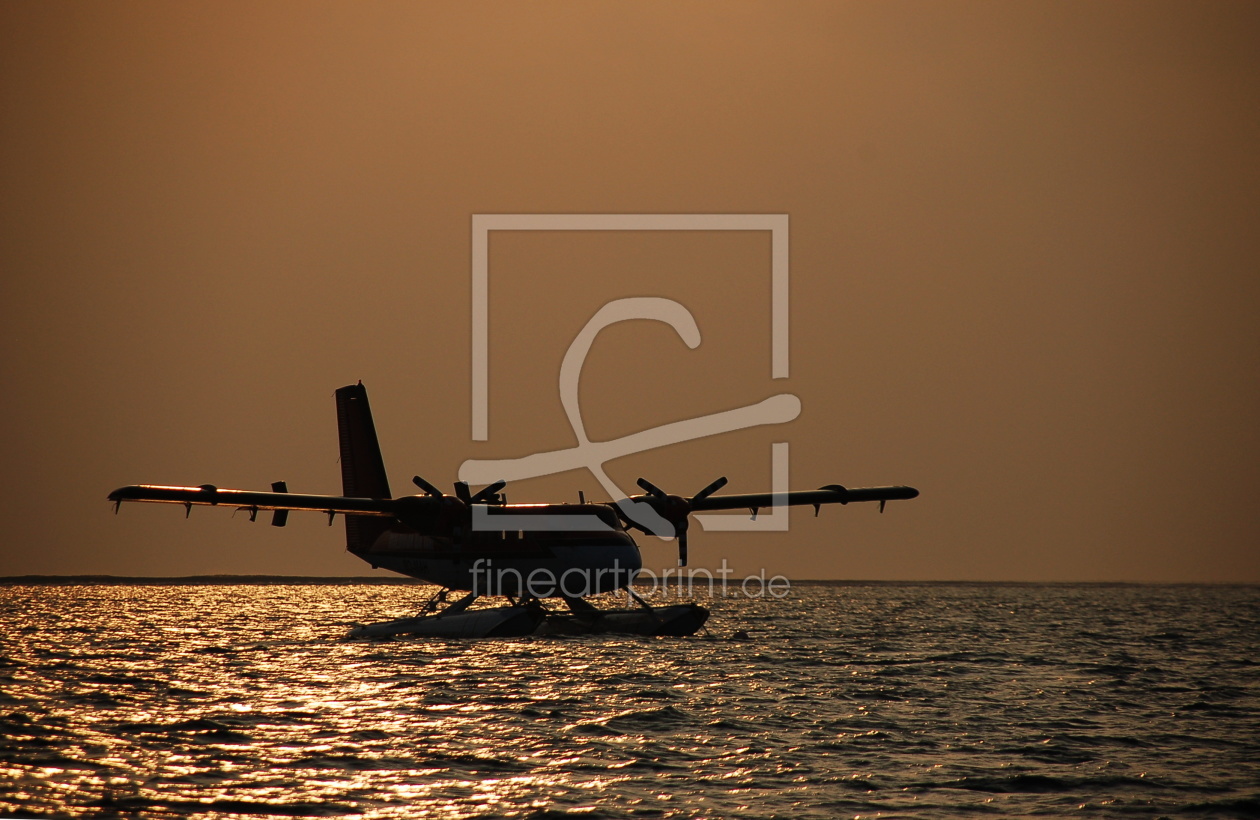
(879, 700)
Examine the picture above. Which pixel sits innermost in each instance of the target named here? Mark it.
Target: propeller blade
(487, 493)
(426, 486)
(651, 488)
(461, 490)
(710, 490)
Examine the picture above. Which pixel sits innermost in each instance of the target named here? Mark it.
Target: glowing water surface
(859, 700)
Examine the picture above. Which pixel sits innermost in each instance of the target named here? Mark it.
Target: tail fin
(362, 469)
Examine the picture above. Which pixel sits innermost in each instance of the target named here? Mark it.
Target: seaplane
(544, 559)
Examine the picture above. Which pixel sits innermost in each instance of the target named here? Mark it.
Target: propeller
(428, 488)
(436, 511)
(651, 488)
(711, 489)
(486, 495)
(677, 510)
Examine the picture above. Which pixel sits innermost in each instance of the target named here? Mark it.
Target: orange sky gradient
(1024, 269)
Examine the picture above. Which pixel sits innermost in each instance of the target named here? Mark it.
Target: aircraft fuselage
(492, 559)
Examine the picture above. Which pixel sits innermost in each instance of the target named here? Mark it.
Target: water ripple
(908, 701)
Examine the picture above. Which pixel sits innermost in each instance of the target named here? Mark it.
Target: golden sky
(1024, 258)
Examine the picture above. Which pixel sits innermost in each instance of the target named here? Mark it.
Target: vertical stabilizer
(362, 469)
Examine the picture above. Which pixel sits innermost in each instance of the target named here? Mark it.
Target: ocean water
(877, 700)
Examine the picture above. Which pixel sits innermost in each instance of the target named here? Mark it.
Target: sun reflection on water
(245, 701)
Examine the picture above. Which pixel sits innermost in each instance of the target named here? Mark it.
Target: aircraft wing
(830, 494)
(673, 511)
(210, 496)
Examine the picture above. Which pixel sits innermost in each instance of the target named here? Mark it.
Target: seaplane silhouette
(479, 544)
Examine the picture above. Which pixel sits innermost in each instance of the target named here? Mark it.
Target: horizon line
(227, 579)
